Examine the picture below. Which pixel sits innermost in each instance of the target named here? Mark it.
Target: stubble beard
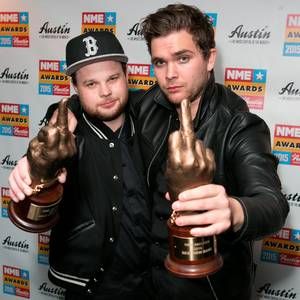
(114, 115)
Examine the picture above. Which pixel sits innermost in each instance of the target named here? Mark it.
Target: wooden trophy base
(190, 256)
(197, 270)
(37, 213)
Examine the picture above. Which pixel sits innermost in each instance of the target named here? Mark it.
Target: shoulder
(230, 99)
(140, 100)
(134, 96)
(233, 111)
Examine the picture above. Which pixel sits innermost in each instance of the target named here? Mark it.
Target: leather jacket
(246, 168)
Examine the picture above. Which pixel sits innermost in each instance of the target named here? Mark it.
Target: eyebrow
(184, 51)
(95, 79)
(88, 80)
(176, 54)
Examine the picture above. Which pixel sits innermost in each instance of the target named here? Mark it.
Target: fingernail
(21, 196)
(179, 222)
(181, 196)
(27, 191)
(175, 206)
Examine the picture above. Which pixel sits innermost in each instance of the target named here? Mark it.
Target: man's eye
(184, 59)
(159, 63)
(113, 78)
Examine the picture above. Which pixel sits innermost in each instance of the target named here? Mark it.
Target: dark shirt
(127, 273)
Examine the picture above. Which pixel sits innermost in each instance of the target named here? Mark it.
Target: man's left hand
(212, 211)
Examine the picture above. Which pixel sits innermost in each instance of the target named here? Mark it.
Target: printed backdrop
(258, 45)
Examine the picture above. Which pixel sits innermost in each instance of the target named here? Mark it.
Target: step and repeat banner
(258, 46)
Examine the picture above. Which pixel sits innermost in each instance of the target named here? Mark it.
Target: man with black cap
(99, 248)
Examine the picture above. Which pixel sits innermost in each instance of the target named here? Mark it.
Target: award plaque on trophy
(38, 212)
(46, 156)
(189, 165)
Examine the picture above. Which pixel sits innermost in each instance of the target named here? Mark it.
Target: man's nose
(171, 71)
(105, 90)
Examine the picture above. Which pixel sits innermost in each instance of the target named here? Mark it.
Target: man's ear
(126, 72)
(211, 59)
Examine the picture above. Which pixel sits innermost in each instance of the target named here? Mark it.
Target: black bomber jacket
(82, 242)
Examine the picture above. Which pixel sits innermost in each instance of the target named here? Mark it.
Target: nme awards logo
(250, 84)
(291, 46)
(98, 21)
(52, 79)
(16, 282)
(287, 144)
(140, 76)
(50, 31)
(4, 201)
(14, 119)
(282, 248)
(14, 29)
(213, 19)
(43, 248)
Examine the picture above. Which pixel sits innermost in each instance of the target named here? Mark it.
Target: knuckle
(221, 189)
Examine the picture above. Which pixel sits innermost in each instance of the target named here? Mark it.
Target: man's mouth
(108, 103)
(173, 88)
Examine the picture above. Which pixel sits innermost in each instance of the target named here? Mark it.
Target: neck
(194, 107)
(115, 124)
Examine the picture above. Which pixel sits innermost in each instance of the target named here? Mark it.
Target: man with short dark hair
(244, 201)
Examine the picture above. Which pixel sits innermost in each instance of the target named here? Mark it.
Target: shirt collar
(104, 132)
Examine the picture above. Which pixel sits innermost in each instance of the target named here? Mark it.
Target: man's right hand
(19, 180)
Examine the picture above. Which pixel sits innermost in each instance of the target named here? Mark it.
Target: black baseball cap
(91, 47)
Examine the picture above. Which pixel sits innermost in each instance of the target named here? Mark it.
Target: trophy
(46, 155)
(189, 165)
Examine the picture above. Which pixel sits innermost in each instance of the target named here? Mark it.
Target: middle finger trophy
(46, 155)
(189, 165)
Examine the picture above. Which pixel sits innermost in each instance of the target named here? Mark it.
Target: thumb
(62, 176)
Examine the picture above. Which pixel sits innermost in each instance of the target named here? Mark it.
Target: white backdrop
(258, 44)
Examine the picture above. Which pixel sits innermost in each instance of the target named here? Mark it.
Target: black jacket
(82, 243)
(246, 168)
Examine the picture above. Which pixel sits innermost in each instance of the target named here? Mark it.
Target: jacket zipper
(212, 288)
(252, 273)
(155, 154)
(250, 245)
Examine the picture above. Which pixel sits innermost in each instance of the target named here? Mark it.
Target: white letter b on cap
(91, 46)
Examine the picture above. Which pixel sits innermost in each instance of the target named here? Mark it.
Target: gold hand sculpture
(46, 154)
(189, 163)
(48, 151)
